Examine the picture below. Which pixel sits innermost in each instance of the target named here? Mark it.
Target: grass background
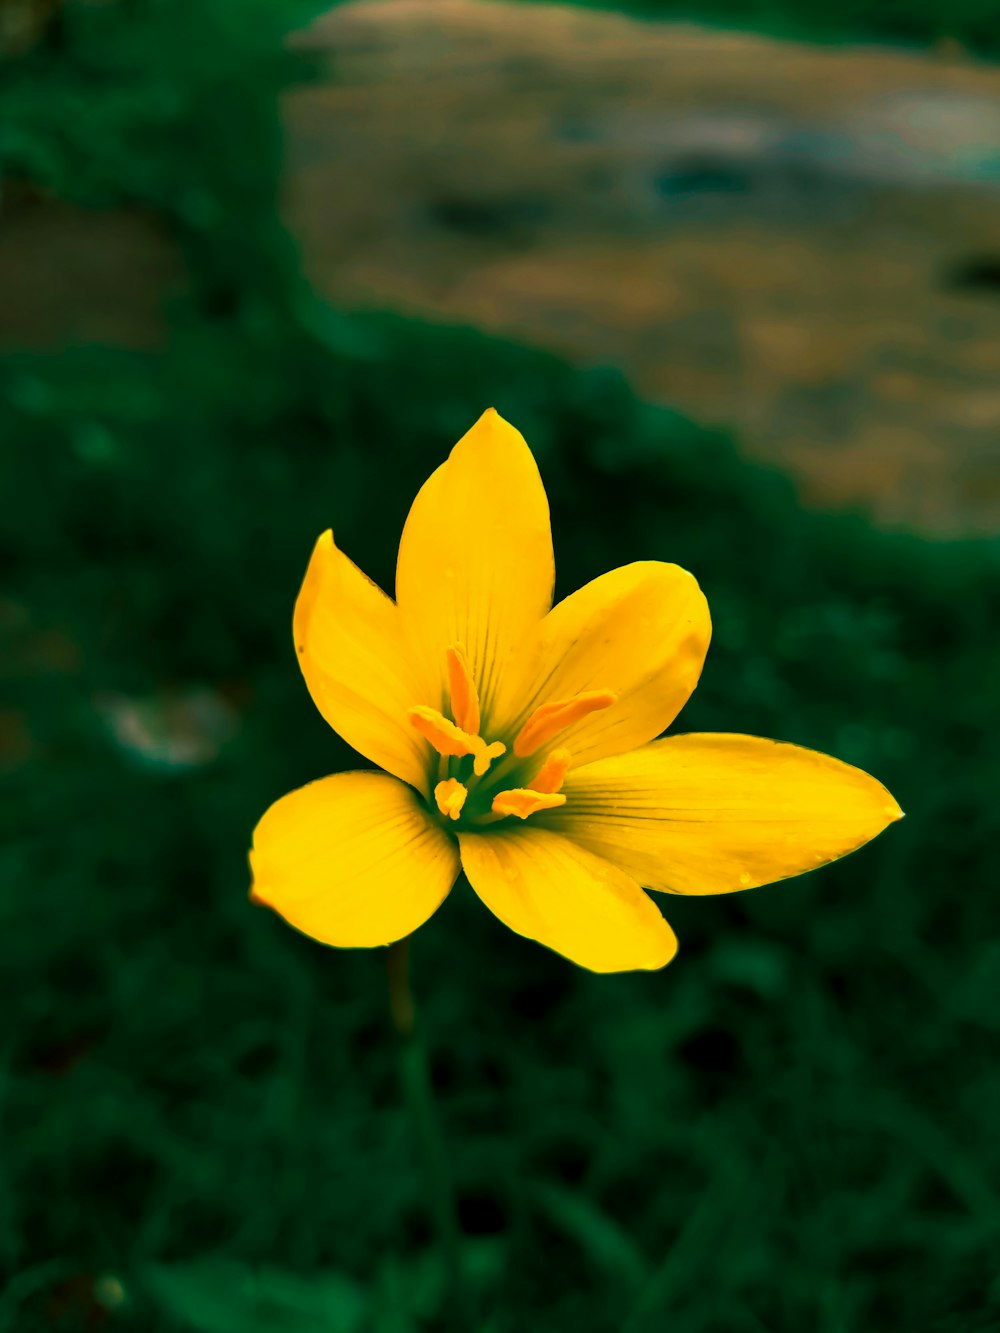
(792, 1127)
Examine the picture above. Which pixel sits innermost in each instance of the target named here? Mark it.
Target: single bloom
(516, 740)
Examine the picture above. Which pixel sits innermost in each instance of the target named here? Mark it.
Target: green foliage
(221, 1297)
(792, 1127)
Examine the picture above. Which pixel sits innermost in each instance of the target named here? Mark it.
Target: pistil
(462, 795)
(449, 739)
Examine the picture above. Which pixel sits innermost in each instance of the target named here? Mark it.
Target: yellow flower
(518, 743)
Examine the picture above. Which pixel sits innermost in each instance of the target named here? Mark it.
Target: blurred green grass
(791, 1127)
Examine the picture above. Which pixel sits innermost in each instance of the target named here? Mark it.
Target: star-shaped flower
(518, 741)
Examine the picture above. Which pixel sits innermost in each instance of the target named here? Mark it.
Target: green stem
(415, 1077)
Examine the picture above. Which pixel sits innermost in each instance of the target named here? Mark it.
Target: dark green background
(791, 1128)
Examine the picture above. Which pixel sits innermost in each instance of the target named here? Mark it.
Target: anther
(521, 801)
(450, 796)
(551, 774)
(448, 739)
(462, 687)
(548, 720)
(442, 734)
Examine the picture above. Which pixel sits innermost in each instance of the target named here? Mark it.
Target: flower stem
(415, 1077)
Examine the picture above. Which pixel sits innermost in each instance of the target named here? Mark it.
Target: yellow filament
(450, 796)
(549, 719)
(448, 739)
(464, 698)
(551, 774)
(521, 801)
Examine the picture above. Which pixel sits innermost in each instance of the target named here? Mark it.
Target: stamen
(442, 734)
(551, 774)
(523, 802)
(448, 739)
(549, 719)
(450, 796)
(464, 698)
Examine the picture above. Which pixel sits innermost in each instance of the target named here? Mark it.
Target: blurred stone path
(799, 243)
(802, 243)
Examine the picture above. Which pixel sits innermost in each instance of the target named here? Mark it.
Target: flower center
(469, 791)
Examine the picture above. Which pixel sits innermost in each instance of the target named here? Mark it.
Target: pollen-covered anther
(462, 688)
(450, 797)
(448, 739)
(522, 801)
(552, 773)
(548, 720)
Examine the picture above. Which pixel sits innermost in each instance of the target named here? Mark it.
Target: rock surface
(801, 243)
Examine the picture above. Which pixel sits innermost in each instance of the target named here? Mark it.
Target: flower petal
(542, 886)
(641, 631)
(475, 559)
(350, 646)
(352, 860)
(714, 813)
